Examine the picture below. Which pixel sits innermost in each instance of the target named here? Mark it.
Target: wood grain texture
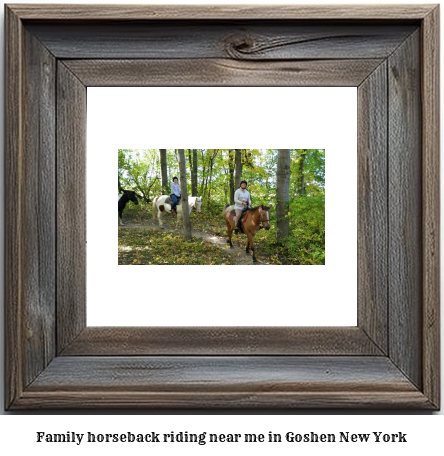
(209, 373)
(234, 382)
(107, 369)
(71, 206)
(220, 12)
(430, 93)
(234, 401)
(127, 341)
(258, 40)
(13, 208)
(405, 209)
(221, 72)
(39, 207)
(373, 207)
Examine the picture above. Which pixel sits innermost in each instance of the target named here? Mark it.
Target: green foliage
(139, 170)
(307, 229)
(155, 247)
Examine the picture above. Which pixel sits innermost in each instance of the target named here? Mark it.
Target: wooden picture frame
(390, 360)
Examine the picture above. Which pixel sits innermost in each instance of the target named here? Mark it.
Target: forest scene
(286, 217)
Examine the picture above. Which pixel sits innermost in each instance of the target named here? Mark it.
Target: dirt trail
(238, 254)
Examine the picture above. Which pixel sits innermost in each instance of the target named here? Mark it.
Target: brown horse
(258, 218)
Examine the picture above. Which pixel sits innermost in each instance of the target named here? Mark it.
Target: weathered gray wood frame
(390, 360)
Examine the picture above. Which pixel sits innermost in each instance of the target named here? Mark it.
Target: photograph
(221, 206)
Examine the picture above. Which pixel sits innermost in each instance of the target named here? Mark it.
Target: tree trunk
(184, 191)
(231, 169)
(190, 162)
(212, 158)
(193, 171)
(301, 180)
(202, 185)
(209, 186)
(194, 175)
(282, 194)
(204, 191)
(238, 160)
(163, 167)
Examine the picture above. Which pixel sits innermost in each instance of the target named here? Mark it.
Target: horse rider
(241, 202)
(175, 196)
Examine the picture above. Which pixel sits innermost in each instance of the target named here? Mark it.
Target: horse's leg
(248, 247)
(229, 231)
(120, 217)
(250, 241)
(160, 216)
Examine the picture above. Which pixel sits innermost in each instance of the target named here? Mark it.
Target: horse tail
(224, 210)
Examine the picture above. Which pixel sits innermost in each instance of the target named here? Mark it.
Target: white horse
(162, 204)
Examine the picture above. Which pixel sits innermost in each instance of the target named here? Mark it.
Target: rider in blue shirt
(175, 189)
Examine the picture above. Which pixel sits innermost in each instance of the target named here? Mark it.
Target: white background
(17, 433)
(427, 439)
(242, 117)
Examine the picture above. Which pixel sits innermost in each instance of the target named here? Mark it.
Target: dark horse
(123, 199)
(258, 217)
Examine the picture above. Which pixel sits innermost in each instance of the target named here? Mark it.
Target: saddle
(244, 214)
(169, 199)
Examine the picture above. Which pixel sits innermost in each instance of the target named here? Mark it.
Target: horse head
(265, 216)
(132, 197)
(198, 203)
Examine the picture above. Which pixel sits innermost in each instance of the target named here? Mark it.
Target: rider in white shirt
(241, 201)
